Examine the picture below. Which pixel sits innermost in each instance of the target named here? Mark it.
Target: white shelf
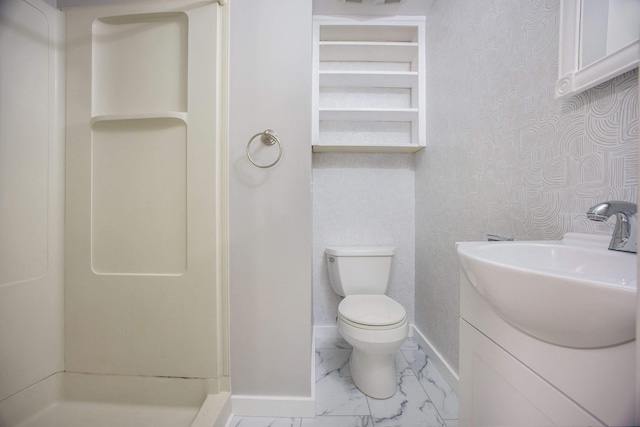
(384, 31)
(363, 71)
(368, 51)
(390, 79)
(138, 116)
(320, 148)
(369, 114)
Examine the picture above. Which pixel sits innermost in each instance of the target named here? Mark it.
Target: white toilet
(374, 324)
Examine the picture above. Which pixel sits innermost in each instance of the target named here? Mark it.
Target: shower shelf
(138, 116)
(368, 90)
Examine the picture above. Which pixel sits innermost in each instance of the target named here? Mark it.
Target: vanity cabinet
(368, 84)
(510, 378)
(498, 390)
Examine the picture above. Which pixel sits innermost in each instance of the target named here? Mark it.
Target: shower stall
(113, 288)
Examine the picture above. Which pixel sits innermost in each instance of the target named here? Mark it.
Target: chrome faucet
(625, 233)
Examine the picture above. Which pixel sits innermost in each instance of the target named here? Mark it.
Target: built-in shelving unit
(368, 90)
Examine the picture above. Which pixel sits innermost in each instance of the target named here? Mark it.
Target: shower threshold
(88, 400)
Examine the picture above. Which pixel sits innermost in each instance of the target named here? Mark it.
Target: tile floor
(423, 398)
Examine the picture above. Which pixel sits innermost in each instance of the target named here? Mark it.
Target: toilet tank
(357, 270)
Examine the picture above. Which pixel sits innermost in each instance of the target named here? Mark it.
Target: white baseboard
(326, 332)
(274, 406)
(280, 406)
(331, 332)
(436, 358)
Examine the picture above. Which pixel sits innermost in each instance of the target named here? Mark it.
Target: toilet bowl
(375, 326)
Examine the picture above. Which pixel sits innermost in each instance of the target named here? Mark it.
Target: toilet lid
(371, 310)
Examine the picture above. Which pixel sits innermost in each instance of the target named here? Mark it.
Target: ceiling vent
(373, 1)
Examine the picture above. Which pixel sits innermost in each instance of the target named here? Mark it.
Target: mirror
(599, 39)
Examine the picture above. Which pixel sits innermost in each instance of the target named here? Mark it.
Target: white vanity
(511, 378)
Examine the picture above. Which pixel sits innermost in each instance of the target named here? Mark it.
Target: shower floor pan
(85, 400)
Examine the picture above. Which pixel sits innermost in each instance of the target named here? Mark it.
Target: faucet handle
(624, 234)
(602, 211)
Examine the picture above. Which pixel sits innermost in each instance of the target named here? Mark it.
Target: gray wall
(503, 156)
(270, 209)
(363, 200)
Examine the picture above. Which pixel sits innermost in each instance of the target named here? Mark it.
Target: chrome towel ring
(268, 137)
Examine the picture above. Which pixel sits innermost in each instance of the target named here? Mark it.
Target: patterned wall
(366, 200)
(503, 155)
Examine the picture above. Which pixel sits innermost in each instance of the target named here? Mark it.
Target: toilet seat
(373, 312)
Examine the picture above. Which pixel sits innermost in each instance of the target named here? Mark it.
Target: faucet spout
(624, 234)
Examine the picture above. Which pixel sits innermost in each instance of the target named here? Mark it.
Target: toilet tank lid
(360, 250)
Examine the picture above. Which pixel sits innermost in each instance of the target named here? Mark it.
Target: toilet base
(373, 368)
(374, 374)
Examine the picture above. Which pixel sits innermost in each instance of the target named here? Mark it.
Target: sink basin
(573, 292)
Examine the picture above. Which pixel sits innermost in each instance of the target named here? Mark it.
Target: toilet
(374, 324)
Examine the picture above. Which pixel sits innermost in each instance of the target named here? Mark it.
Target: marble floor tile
(409, 406)
(264, 422)
(337, 395)
(338, 421)
(409, 345)
(332, 343)
(402, 366)
(424, 398)
(332, 361)
(441, 394)
(337, 360)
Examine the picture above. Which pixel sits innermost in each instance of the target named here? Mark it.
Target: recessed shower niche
(140, 64)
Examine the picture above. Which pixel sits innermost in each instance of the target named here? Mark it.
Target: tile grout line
(403, 373)
(420, 382)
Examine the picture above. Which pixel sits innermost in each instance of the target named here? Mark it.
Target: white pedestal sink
(573, 292)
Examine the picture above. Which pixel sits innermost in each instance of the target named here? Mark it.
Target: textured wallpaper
(363, 200)
(503, 155)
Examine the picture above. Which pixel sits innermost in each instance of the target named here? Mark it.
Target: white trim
(274, 406)
(282, 406)
(313, 368)
(222, 211)
(326, 332)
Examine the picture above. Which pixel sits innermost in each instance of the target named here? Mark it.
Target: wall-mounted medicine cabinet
(368, 84)
(599, 40)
